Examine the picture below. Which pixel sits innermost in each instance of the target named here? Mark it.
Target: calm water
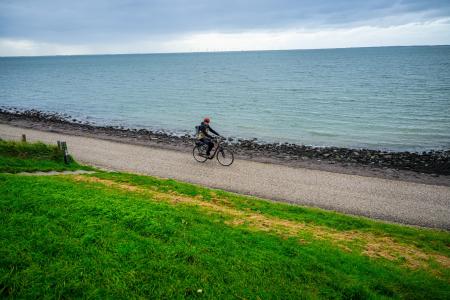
(383, 98)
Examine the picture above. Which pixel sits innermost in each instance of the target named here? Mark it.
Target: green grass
(61, 238)
(29, 157)
(67, 238)
(421, 237)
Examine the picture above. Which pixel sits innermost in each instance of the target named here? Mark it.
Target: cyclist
(204, 136)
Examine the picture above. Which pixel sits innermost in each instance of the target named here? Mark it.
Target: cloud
(29, 27)
(16, 47)
(430, 33)
(425, 33)
(108, 20)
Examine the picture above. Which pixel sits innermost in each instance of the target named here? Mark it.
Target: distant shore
(431, 167)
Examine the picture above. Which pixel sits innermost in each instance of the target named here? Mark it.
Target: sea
(385, 98)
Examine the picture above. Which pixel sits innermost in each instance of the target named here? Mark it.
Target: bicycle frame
(218, 145)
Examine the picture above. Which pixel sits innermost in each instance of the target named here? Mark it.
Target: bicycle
(224, 155)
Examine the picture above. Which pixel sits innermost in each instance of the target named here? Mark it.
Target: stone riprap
(435, 162)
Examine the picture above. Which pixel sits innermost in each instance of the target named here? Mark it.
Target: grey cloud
(103, 20)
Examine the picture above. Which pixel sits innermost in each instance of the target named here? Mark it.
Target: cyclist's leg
(210, 146)
(204, 141)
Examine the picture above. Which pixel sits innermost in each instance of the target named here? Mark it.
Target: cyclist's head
(206, 120)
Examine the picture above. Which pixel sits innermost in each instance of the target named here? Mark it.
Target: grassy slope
(63, 237)
(422, 238)
(28, 157)
(125, 236)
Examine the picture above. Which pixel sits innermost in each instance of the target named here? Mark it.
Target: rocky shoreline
(434, 163)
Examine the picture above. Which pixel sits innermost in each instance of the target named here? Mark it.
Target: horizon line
(227, 51)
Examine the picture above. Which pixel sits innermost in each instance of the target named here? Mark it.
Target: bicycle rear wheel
(225, 157)
(199, 153)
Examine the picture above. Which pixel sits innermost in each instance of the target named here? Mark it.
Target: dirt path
(398, 201)
(54, 173)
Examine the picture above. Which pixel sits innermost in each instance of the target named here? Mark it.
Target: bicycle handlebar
(219, 139)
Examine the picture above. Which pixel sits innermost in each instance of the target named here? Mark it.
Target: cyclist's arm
(213, 131)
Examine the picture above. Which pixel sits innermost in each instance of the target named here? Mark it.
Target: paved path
(398, 201)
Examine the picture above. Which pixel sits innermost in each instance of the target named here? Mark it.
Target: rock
(435, 162)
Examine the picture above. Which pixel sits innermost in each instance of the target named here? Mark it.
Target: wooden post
(59, 144)
(24, 138)
(64, 148)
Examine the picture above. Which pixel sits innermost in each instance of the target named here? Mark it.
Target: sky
(62, 27)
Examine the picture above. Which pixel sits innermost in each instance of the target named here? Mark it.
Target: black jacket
(204, 129)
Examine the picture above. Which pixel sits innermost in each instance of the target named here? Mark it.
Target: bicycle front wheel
(225, 157)
(199, 153)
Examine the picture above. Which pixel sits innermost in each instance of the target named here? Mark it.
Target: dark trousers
(209, 143)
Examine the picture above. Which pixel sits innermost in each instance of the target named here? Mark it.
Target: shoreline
(431, 167)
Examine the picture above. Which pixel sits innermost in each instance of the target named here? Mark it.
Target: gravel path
(397, 201)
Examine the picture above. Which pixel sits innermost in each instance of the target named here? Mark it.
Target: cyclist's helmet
(206, 120)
